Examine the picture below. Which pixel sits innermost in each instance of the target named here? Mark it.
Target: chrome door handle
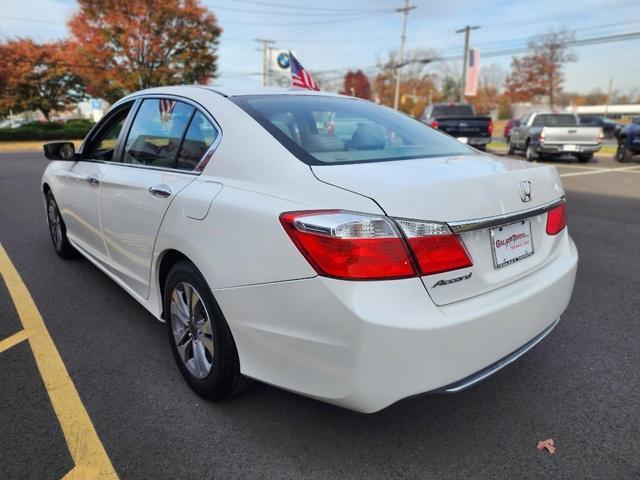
(92, 180)
(160, 191)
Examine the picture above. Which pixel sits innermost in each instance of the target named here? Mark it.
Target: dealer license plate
(511, 243)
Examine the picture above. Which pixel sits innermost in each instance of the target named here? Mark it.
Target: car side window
(156, 132)
(199, 137)
(103, 146)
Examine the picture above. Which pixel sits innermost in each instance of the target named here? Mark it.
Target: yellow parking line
(13, 340)
(88, 454)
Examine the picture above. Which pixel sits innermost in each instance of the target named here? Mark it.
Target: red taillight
(556, 220)
(435, 124)
(349, 245)
(435, 247)
(358, 246)
(490, 127)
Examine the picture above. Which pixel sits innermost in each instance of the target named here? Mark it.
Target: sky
(336, 35)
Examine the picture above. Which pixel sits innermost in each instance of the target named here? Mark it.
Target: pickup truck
(459, 120)
(628, 140)
(543, 135)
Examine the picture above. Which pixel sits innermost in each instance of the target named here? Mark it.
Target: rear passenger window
(199, 137)
(156, 133)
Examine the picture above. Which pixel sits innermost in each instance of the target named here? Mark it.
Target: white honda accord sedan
(320, 243)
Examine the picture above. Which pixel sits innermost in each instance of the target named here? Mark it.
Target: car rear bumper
(553, 148)
(476, 141)
(366, 345)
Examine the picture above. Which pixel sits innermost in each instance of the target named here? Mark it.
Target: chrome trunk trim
(488, 222)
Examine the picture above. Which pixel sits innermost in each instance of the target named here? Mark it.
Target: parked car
(628, 141)
(460, 120)
(357, 268)
(544, 135)
(607, 125)
(508, 126)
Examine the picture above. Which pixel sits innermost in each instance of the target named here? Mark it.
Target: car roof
(232, 91)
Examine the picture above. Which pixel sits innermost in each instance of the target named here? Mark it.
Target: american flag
(166, 107)
(300, 78)
(473, 68)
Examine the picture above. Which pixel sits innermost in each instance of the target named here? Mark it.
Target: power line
(300, 7)
(324, 22)
(300, 13)
(504, 52)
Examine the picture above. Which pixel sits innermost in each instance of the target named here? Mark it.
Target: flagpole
(465, 61)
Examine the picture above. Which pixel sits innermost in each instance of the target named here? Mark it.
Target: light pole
(465, 60)
(266, 47)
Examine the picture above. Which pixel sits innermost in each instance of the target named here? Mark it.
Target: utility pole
(265, 46)
(606, 106)
(405, 13)
(465, 61)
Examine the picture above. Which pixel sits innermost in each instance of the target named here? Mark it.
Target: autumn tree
(489, 85)
(37, 77)
(539, 74)
(357, 84)
(416, 85)
(126, 45)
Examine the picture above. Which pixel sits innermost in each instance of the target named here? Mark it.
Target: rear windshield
(323, 130)
(444, 111)
(554, 120)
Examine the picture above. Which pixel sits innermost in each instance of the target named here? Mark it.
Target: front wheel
(200, 338)
(585, 158)
(623, 154)
(58, 229)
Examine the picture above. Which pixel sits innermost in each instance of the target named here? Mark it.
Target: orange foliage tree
(357, 84)
(127, 45)
(416, 86)
(37, 77)
(539, 74)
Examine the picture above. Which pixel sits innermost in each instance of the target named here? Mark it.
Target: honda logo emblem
(525, 191)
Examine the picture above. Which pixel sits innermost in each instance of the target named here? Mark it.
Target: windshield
(555, 120)
(328, 130)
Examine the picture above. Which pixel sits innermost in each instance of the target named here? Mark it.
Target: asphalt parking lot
(580, 386)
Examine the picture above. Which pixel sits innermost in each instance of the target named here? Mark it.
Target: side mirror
(60, 151)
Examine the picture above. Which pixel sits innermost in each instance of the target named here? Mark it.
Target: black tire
(482, 148)
(529, 153)
(510, 149)
(587, 157)
(58, 230)
(224, 378)
(623, 154)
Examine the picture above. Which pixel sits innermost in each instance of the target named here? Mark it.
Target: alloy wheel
(192, 331)
(55, 224)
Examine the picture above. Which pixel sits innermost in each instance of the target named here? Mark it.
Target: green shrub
(72, 130)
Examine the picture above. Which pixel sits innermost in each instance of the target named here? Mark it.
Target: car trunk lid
(462, 191)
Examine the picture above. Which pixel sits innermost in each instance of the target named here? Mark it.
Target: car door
(78, 192)
(516, 132)
(156, 163)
